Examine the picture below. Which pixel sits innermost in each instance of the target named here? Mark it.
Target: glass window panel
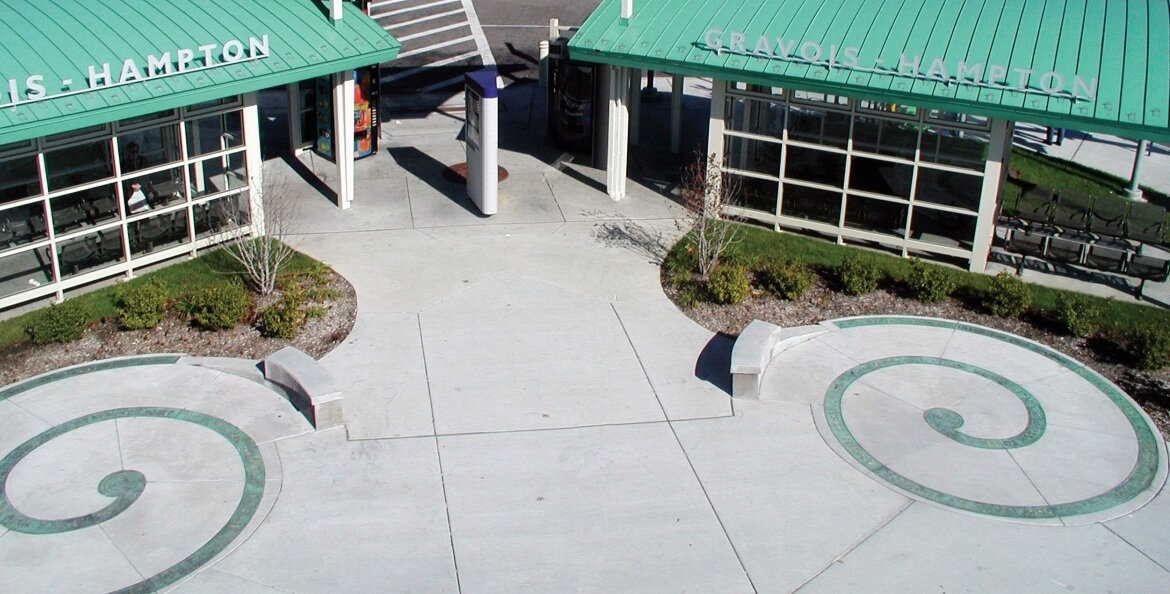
(159, 231)
(218, 174)
(875, 215)
(214, 133)
(814, 165)
(150, 117)
(885, 137)
(881, 177)
(76, 134)
(19, 178)
(22, 224)
(224, 101)
(812, 97)
(150, 147)
(811, 203)
(957, 148)
(818, 126)
(109, 246)
(24, 271)
(895, 110)
(13, 147)
(754, 193)
(765, 118)
(947, 187)
(78, 164)
(964, 119)
(221, 214)
(74, 210)
(102, 207)
(82, 254)
(162, 188)
(942, 227)
(749, 154)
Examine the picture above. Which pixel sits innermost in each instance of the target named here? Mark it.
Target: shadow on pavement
(430, 170)
(714, 364)
(309, 176)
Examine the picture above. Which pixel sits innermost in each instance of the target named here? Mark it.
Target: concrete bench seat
(309, 386)
(756, 346)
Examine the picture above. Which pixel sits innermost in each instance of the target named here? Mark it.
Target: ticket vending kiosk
(482, 139)
(365, 113)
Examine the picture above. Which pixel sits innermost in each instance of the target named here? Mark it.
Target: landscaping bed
(1106, 349)
(334, 305)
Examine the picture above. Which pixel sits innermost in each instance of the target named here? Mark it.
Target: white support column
(635, 103)
(715, 127)
(677, 82)
(617, 131)
(715, 131)
(335, 11)
(254, 163)
(343, 136)
(993, 177)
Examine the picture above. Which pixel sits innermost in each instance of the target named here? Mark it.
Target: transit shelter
(880, 121)
(129, 131)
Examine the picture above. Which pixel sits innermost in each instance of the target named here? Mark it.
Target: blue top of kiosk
(483, 82)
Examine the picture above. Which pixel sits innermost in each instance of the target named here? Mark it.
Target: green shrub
(678, 278)
(141, 305)
(1077, 315)
(322, 294)
(62, 322)
(858, 274)
(219, 307)
(688, 294)
(282, 319)
(1150, 347)
(785, 279)
(728, 283)
(1007, 296)
(929, 283)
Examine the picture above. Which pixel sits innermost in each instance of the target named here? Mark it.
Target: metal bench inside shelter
(1103, 233)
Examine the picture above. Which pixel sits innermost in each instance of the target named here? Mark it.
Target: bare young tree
(260, 242)
(706, 191)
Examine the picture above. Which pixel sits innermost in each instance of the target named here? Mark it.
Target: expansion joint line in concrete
(856, 545)
(686, 456)
(1136, 548)
(553, 193)
(438, 453)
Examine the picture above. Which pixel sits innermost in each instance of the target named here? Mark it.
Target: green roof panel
(54, 44)
(1097, 65)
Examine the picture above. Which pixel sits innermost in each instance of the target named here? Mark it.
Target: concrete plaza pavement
(526, 411)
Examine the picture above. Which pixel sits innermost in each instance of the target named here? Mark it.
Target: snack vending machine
(365, 113)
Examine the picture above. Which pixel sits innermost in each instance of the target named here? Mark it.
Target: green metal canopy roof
(1100, 65)
(53, 55)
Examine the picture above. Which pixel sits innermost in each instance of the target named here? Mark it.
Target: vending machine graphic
(365, 113)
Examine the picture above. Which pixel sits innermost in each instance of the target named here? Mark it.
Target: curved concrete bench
(756, 346)
(308, 384)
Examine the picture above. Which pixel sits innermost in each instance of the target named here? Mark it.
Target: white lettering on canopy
(133, 70)
(994, 76)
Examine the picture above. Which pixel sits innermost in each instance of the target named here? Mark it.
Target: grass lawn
(210, 269)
